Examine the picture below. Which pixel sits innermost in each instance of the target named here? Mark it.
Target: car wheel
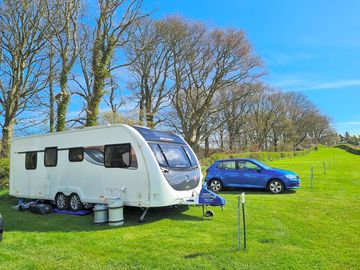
(215, 185)
(75, 203)
(61, 201)
(276, 186)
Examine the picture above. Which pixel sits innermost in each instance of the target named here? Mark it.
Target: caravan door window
(50, 156)
(30, 160)
(118, 156)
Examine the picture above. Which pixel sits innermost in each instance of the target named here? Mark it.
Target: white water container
(116, 212)
(101, 214)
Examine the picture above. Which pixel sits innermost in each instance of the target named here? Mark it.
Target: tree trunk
(222, 145)
(141, 111)
(7, 132)
(149, 118)
(92, 111)
(207, 147)
(63, 100)
(51, 93)
(231, 140)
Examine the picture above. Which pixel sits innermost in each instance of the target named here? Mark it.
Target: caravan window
(76, 154)
(30, 160)
(119, 156)
(50, 156)
(191, 156)
(158, 154)
(175, 156)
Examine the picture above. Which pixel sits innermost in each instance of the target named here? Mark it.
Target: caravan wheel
(61, 201)
(75, 203)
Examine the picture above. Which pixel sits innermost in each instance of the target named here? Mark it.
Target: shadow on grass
(238, 191)
(30, 222)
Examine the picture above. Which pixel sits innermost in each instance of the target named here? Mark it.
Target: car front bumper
(293, 184)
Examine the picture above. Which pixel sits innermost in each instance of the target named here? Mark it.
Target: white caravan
(144, 167)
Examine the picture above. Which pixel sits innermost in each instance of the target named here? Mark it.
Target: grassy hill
(309, 229)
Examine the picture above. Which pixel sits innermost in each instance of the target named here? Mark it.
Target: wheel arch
(70, 190)
(216, 178)
(274, 178)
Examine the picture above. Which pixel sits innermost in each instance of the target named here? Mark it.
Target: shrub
(4, 172)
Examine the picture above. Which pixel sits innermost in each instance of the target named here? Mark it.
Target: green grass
(307, 229)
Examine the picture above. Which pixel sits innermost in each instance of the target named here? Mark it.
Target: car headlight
(292, 176)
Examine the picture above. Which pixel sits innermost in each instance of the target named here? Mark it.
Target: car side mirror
(259, 170)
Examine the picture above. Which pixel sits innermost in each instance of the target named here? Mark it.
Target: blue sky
(307, 46)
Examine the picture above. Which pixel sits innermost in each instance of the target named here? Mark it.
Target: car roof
(236, 159)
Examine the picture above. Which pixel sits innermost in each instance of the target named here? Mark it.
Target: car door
(229, 174)
(250, 175)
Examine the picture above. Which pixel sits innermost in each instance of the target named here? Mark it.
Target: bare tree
(63, 16)
(237, 101)
(151, 61)
(263, 117)
(113, 28)
(22, 62)
(204, 62)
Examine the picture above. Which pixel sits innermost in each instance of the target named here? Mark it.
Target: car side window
(227, 165)
(247, 165)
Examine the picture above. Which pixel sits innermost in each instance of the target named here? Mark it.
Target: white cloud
(351, 126)
(285, 59)
(334, 85)
(300, 83)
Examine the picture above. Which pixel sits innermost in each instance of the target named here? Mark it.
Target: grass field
(309, 229)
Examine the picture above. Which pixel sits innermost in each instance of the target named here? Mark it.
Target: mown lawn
(307, 229)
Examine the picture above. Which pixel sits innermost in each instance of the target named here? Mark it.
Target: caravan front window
(158, 155)
(175, 156)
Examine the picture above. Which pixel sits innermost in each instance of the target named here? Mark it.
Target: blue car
(249, 173)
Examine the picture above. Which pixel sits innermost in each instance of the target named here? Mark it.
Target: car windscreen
(263, 165)
(173, 156)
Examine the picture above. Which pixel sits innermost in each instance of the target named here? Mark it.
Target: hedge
(262, 156)
(349, 148)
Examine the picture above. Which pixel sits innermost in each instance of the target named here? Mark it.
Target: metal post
(238, 242)
(244, 223)
(324, 167)
(312, 176)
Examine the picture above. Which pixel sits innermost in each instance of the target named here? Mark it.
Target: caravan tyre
(61, 201)
(75, 203)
